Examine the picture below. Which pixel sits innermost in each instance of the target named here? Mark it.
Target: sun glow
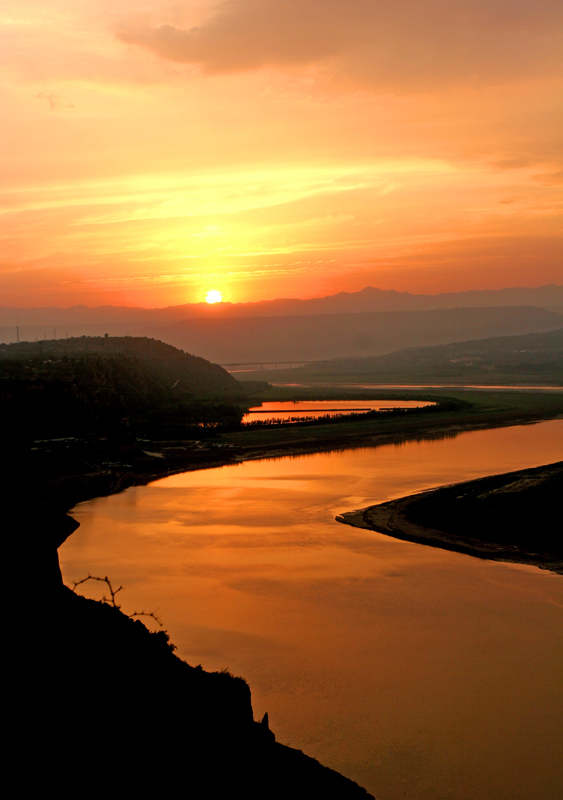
(213, 296)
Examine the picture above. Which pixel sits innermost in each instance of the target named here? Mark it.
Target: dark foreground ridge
(100, 705)
(510, 517)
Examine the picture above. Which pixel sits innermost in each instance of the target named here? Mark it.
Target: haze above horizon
(369, 298)
(261, 150)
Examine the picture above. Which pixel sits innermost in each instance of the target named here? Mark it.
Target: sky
(152, 152)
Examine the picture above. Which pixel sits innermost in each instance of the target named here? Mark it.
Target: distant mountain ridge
(345, 325)
(55, 322)
(373, 299)
(328, 336)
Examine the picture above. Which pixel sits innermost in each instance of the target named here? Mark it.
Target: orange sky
(265, 148)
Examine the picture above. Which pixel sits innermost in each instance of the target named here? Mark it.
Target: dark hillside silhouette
(98, 703)
(99, 385)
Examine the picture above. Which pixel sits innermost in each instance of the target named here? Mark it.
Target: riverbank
(97, 700)
(248, 569)
(98, 703)
(80, 674)
(510, 517)
(67, 473)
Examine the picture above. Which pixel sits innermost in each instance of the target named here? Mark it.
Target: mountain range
(366, 323)
(329, 336)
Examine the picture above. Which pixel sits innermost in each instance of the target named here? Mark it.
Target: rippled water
(420, 673)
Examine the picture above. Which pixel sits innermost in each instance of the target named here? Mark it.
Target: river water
(420, 673)
(317, 408)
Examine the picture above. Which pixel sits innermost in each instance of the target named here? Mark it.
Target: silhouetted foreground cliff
(97, 704)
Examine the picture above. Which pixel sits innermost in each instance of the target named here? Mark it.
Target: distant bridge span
(259, 366)
(241, 366)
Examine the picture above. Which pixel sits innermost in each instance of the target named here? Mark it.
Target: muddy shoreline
(508, 504)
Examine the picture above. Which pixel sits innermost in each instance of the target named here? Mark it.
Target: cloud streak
(54, 101)
(405, 46)
(359, 137)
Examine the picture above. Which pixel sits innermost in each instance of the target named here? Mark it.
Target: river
(295, 410)
(420, 673)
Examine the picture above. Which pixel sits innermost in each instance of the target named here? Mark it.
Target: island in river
(510, 517)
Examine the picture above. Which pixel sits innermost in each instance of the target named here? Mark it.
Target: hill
(534, 358)
(72, 387)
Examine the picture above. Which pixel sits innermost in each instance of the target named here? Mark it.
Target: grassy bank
(455, 411)
(67, 472)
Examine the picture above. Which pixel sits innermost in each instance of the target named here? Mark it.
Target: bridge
(259, 366)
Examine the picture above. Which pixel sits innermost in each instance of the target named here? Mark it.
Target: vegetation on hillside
(533, 358)
(109, 386)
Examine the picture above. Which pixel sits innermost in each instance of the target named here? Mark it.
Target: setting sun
(214, 297)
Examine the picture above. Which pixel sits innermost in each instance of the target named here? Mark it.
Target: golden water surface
(419, 673)
(316, 408)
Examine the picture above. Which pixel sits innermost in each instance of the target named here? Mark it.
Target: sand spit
(509, 517)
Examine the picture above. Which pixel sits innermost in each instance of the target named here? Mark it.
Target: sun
(214, 296)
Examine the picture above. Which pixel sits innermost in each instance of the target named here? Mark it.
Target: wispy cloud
(54, 101)
(406, 45)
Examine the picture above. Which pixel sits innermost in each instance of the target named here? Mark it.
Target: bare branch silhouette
(146, 614)
(112, 591)
(111, 600)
